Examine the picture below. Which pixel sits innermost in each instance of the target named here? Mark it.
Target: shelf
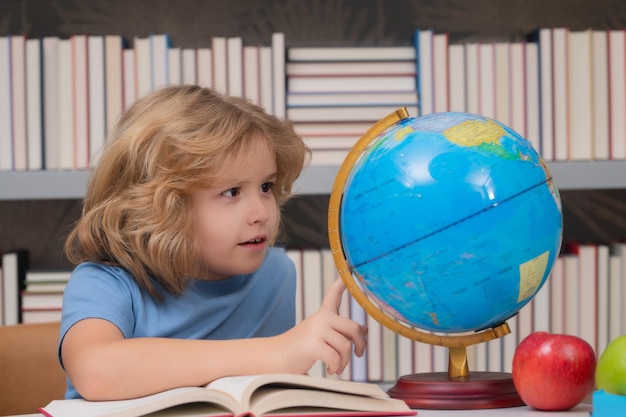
(57, 185)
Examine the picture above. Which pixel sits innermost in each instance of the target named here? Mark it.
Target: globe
(448, 223)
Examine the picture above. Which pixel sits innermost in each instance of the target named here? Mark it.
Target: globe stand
(456, 389)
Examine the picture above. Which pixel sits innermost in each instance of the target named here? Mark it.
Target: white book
(330, 142)
(533, 102)
(312, 292)
(440, 358)
(332, 129)
(296, 257)
(517, 120)
(349, 53)
(66, 105)
(343, 113)
(495, 355)
(352, 84)
(424, 56)
(6, 135)
(220, 64)
(113, 79)
(328, 157)
(472, 78)
(18, 102)
(251, 74)
(617, 272)
(571, 298)
(278, 74)
(266, 90)
(546, 94)
(47, 275)
(97, 96)
(588, 293)
(34, 104)
(234, 48)
(143, 66)
(557, 296)
(159, 60)
(41, 301)
(329, 275)
(440, 70)
(390, 355)
(189, 66)
(509, 344)
(174, 66)
(600, 89)
(525, 319)
(541, 308)
(504, 83)
(344, 311)
(204, 67)
(374, 350)
(41, 316)
(14, 265)
(486, 74)
(255, 395)
(422, 358)
(560, 90)
(51, 102)
(617, 97)
(456, 77)
(602, 298)
(388, 98)
(580, 96)
(358, 364)
(80, 87)
(129, 70)
(350, 68)
(406, 354)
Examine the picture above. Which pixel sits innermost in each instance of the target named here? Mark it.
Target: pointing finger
(332, 299)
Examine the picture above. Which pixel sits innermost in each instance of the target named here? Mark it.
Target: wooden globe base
(439, 391)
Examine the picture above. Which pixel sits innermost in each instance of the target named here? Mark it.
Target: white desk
(582, 410)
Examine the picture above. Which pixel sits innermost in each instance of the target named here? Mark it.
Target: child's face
(237, 217)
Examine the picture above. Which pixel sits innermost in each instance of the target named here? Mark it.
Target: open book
(255, 396)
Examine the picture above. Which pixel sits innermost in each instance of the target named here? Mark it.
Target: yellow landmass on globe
(474, 133)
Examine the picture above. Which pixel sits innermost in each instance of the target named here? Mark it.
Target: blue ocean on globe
(450, 222)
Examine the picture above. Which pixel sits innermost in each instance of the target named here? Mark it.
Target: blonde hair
(137, 211)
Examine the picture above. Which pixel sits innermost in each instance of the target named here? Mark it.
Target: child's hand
(324, 336)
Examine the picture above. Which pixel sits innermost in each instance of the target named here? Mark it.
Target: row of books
(583, 297)
(335, 94)
(29, 295)
(59, 97)
(562, 89)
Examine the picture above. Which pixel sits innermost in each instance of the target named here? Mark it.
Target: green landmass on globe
(450, 222)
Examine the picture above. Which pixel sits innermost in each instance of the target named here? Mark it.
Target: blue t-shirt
(242, 306)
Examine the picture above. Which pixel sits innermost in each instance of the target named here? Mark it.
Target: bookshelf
(60, 185)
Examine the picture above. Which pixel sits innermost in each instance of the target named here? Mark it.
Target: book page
(139, 406)
(241, 388)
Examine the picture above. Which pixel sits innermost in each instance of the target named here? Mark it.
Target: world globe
(447, 223)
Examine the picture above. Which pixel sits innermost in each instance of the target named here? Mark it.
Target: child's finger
(332, 299)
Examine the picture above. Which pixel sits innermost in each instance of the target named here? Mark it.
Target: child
(177, 283)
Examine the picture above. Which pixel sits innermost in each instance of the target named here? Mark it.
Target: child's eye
(267, 187)
(231, 192)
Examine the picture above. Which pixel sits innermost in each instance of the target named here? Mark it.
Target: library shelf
(317, 179)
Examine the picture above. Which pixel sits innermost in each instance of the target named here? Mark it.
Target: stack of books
(335, 94)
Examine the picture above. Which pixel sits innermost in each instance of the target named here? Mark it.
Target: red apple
(553, 371)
